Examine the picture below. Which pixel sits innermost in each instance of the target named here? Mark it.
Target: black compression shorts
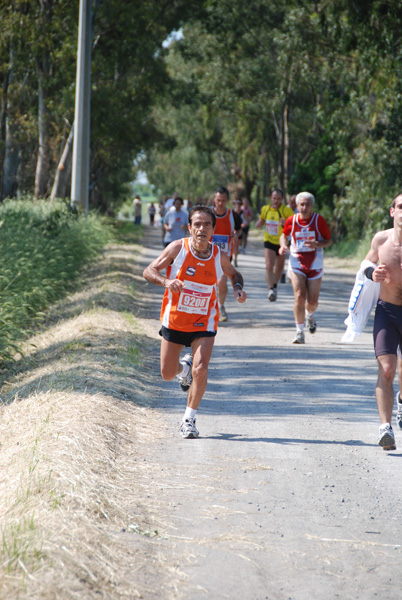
(387, 329)
(274, 247)
(184, 338)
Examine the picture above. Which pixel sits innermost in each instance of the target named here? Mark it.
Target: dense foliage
(43, 247)
(301, 95)
(38, 44)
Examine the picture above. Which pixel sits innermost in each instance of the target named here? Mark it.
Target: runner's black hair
(393, 200)
(202, 208)
(222, 190)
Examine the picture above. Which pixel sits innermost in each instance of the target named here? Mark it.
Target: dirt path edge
(76, 412)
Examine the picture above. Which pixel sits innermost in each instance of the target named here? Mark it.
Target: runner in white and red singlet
(309, 234)
(190, 312)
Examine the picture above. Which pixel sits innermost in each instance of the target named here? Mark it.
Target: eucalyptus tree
(37, 39)
(256, 70)
(365, 124)
(128, 75)
(37, 72)
(297, 93)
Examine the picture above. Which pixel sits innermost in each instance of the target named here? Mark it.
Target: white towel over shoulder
(363, 298)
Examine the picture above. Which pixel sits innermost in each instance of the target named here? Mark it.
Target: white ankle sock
(190, 413)
(299, 326)
(185, 370)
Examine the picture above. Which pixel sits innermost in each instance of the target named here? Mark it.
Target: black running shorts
(387, 329)
(184, 338)
(274, 247)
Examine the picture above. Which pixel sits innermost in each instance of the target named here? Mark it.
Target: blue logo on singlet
(190, 271)
(355, 296)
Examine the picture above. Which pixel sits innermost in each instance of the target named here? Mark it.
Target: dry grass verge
(75, 415)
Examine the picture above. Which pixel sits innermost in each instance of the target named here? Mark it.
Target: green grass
(133, 355)
(18, 547)
(355, 248)
(344, 248)
(126, 232)
(43, 246)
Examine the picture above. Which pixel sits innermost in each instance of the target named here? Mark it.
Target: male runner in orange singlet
(190, 312)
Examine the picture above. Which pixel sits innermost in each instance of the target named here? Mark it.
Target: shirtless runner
(386, 249)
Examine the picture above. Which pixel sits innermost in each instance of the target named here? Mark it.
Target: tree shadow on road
(281, 382)
(286, 441)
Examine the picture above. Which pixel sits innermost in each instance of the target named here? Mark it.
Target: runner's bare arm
(246, 218)
(259, 223)
(379, 273)
(235, 277)
(152, 271)
(376, 242)
(283, 244)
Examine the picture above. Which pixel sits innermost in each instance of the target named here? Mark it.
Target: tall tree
(128, 74)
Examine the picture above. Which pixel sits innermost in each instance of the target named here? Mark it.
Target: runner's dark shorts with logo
(183, 338)
(387, 328)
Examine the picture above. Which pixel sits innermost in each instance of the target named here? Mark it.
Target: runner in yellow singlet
(273, 217)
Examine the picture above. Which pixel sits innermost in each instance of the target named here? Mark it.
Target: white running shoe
(299, 339)
(272, 295)
(186, 381)
(223, 315)
(398, 415)
(386, 437)
(188, 429)
(311, 324)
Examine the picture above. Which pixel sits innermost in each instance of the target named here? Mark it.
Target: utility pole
(80, 161)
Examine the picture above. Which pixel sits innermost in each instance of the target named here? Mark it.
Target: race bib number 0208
(194, 298)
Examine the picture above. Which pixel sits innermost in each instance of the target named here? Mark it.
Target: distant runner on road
(273, 217)
(227, 224)
(176, 222)
(386, 248)
(189, 311)
(309, 234)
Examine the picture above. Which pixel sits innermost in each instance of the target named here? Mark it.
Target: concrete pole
(80, 161)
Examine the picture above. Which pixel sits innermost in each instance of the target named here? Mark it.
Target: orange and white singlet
(196, 307)
(223, 232)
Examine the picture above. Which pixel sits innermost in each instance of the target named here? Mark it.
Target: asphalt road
(286, 494)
